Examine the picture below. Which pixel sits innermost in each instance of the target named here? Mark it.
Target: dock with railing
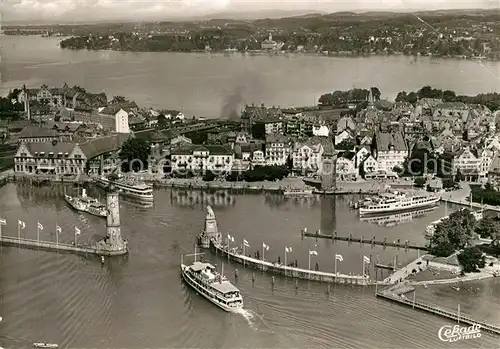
(459, 318)
(47, 245)
(280, 269)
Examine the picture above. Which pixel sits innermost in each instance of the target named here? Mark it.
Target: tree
(118, 99)
(419, 182)
(162, 121)
(459, 176)
(375, 93)
(402, 97)
(489, 227)
(135, 154)
(346, 144)
(453, 233)
(259, 130)
(471, 259)
(326, 99)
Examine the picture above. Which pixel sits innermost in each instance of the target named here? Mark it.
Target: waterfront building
(57, 159)
(192, 157)
(390, 150)
(468, 162)
(307, 156)
(269, 43)
(278, 149)
(274, 127)
(345, 166)
(43, 95)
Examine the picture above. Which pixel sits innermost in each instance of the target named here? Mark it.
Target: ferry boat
(130, 188)
(297, 192)
(205, 280)
(394, 202)
(86, 204)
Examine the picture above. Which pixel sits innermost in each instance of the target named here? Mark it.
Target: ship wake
(249, 316)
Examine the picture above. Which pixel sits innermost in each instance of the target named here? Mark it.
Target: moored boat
(45, 345)
(206, 281)
(297, 192)
(129, 187)
(86, 204)
(396, 202)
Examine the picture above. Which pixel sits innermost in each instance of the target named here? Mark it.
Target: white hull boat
(86, 204)
(397, 202)
(207, 282)
(133, 189)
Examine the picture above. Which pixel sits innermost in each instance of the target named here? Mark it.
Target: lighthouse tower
(113, 243)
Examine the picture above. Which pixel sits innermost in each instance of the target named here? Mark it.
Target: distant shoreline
(285, 53)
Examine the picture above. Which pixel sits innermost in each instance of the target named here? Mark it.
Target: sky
(99, 10)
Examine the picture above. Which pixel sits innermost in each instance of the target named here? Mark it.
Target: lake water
(139, 301)
(202, 84)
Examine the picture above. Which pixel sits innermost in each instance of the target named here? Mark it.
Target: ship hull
(397, 208)
(81, 208)
(194, 286)
(139, 198)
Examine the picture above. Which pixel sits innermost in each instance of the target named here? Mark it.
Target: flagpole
(335, 268)
(263, 259)
(286, 250)
(19, 231)
(57, 237)
(38, 232)
(363, 267)
(309, 261)
(228, 241)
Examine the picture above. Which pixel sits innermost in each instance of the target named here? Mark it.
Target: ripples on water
(140, 301)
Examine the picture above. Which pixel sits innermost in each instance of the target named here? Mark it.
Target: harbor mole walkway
(54, 247)
(293, 272)
(402, 273)
(387, 295)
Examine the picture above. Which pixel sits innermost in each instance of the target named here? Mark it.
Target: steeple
(370, 98)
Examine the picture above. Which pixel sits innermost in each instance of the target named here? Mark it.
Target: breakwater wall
(297, 273)
(50, 246)
(464, 319)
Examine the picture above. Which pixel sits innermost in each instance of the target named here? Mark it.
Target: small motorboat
(45, 345)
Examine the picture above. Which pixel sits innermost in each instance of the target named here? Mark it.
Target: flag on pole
(58, 229)
(77, 231)
(40, 226)
(366, 259)
(339, 257)
(246, 243)
(265, 247)
(230, 238)
(314, 253)
(3, 221)
(21, 224)
(288, 249)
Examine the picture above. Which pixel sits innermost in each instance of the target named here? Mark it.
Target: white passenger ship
(394, 202)
(130, 188)
(86, 204)
(205, 280)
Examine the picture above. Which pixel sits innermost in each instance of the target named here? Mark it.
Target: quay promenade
(297, 273)
(459, 318)
(48, 246)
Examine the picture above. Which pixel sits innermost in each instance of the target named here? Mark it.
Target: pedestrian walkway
(401, 274)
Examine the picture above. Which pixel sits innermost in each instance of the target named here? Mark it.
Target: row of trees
(491, 100)
(456, 233)
(257, 174)
(341, 98)
(487, 195)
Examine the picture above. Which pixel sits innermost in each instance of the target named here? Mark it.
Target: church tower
(113, 243)
(26, 102)
(371, 101)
